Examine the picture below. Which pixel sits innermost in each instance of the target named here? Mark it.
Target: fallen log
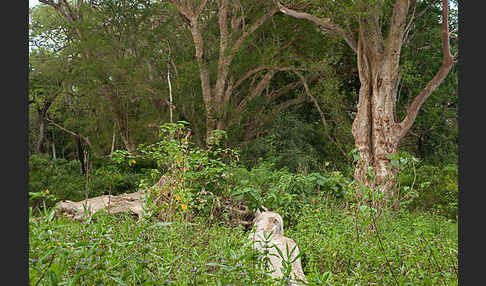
(134, 203)
(125, 203)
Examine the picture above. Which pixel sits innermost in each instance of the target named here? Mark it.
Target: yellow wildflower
(58, 243)
(47, 191)
(184, 207)
(177, 197)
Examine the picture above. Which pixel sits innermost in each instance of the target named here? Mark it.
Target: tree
(233, 32)
(376, 129)
(116, 43)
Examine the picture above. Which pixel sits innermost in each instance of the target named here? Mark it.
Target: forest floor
(339, 247)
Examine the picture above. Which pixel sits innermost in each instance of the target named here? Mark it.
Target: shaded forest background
(105, 75)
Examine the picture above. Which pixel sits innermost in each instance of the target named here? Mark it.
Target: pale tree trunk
(40, 142)
(168, 81)
(113, 140)
(375, 129)
(232, 34)
(54, 155)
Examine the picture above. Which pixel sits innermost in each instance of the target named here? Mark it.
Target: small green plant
(41, 202)
(119, 250)
(287, 260)
(426, 187)
(195, 178)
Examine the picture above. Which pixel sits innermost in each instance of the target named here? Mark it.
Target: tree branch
(86, 139)
(252, 28)
(257, 90)
(250, 73)
(289, 103)
(448, 62)
(324, 23)
(293, 85)
(201, 8)
(316, 104)
(184, 10)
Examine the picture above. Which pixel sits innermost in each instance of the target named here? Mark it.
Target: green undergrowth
(187, 239)
(339, 247)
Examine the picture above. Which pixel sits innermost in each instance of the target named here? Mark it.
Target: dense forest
(341, 116)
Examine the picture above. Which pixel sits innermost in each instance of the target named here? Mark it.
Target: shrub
(283, 191)
(436, 189)
(197, 177)
(64, 180)
(426, 187)
(60, 176)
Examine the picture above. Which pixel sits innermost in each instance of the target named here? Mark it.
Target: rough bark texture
(375, 129)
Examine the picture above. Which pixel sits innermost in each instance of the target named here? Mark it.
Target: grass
(338, 246)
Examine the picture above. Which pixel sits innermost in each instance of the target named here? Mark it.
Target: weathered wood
(125, 203)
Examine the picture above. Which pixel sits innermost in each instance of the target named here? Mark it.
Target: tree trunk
(216, 99)
(119, 111)
(80, 155)
(42, 112)
(375, 129)
(40, 143)
(54, 149)
(113, 141)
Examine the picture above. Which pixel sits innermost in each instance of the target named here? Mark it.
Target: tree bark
(216, 99)
(40, 143)
(375, 128)
(42, 113)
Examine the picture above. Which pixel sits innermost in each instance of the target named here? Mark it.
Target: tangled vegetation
(190, 243)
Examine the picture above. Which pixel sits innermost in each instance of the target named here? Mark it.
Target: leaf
(225, 267)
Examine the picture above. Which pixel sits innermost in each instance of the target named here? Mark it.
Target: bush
(283, 191)
(436, 188)
(295, 143)
(60, 176)
(197, 177)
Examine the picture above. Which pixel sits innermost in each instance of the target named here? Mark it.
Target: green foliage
(61, 177)
(343, 248)
(432, 188)
(337, 247)
(110, 65)
(196, 177)
(296, 143)
(283, 191)
(64, 180)
(120, 251)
